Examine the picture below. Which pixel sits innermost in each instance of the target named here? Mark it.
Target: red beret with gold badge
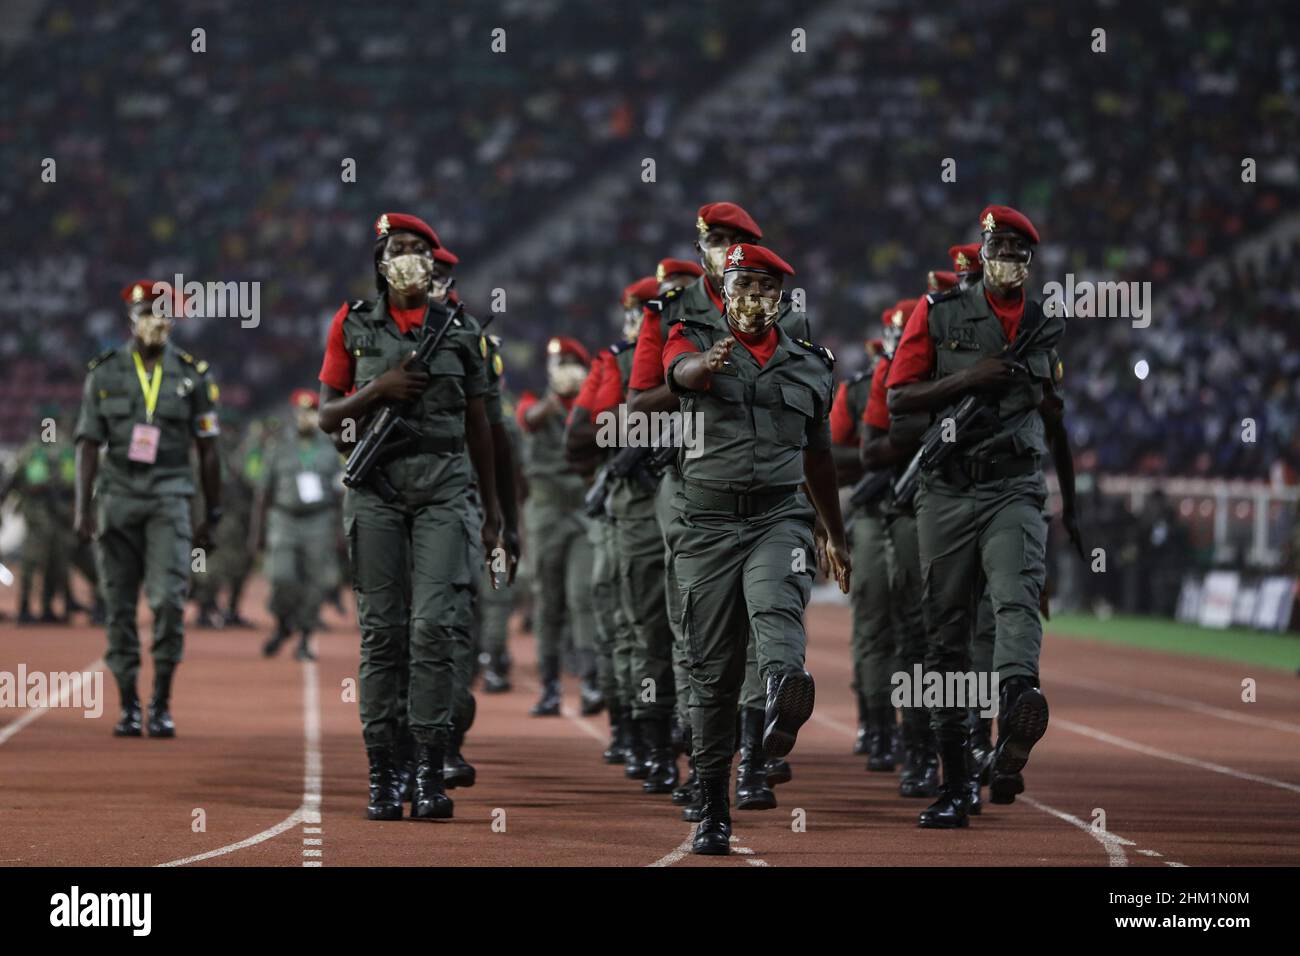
(742, 256)
(304, 398)
(642, 290)
(391, 222)
(564, 345)
(999, 218)
(726, 214)
(966, 258)
(673, 267)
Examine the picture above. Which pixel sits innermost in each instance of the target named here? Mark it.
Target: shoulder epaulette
(99, 359)
(944, 296)
(620, 346)
(356, 304)
(825, 354)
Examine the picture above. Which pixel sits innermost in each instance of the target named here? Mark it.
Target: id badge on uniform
(144, 444)
(310, 489)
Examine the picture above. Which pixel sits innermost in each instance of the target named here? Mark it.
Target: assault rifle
(935, 450)
(644, 464)
(389, 433)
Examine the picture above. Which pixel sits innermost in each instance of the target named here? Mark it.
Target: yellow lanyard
(150, 389)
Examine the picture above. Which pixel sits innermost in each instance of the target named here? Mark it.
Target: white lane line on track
(1169, 700)
(309, 810)
(1136, 747)
(1110, 842)
(14, 726)
(683, 848)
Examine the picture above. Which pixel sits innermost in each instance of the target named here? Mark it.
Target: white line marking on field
(1181, 702)
(1110, 842)
(11, 728)
(309, 810)
(1136, 747)
(668, 859)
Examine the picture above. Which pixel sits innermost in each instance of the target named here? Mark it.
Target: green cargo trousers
(640, 545)
(872, 642)
(415, 568)
(494, 610)
(300, 565)
(668, 487)
(562, 566)
(910, 623)
(737, 576)
(989, 533)
(609, 619)
(143, 540)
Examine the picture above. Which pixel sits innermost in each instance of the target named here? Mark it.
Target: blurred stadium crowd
(225, 165)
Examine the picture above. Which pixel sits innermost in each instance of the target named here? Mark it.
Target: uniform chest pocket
(118, 407)
(959, 351)
(370, 366)
(793, 415)
(727, 387)
(173, 407)
(446, 381)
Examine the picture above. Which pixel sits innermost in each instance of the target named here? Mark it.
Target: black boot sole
(438, 811)
(461, 779)
(1004, 789)
(794, 705)
(384, 813)
(760, 801)
(162, 732)
(613, 758)
(781, 775)
(123, 732)
(712, 846)
(1025, 726)
(927, 823)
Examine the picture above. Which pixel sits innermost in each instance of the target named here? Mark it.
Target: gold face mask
(307, 420)
(752, 313)
(408, 273)
(566, 378)
(715, 260)
(149, 329)
(439, 288)
(632, 323)
(1004, 274)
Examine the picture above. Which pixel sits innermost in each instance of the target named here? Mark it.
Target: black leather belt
(961, 471)
(174, 458)
(741, 505)
(439, 445)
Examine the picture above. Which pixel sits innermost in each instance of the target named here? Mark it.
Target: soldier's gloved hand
(402, 384)
(990, 374)
(841, 565)
(716, 357)
(85, 524)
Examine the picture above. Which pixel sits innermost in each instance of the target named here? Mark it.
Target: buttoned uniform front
(559, 542)
(694, 304)
(300, 478)
(975, 531)
(745, 569)
(143, 509)
(415, 559)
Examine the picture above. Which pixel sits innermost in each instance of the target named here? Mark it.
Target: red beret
(671, 267)
(995, 218)
(726, 214)
(141, 290)
(742, 255)
(966, 258)
(642, 290)
(443, 254)
(304, 398)
(401, 222)
(938, 281)
(564, 345)
(898, 313)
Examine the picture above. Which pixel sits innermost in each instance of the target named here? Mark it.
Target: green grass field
(1247, 647)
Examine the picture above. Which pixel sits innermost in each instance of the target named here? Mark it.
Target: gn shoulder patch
(825, 354)
(100, 359)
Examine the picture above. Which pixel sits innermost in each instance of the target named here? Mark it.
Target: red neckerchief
(761, 346)
(407, 319)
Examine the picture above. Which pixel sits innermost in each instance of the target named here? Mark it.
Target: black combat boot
(385, 790)
(713, 835)
(688, 792)
(430, 801)
(1022, 721)
(974, 801)
(548, 705)
(790, 698)
(862, 743)
(952, 809)
(160, 718)
(880, 758)
(496, 675)
(591, 700)
(752, 790)
(129, 723)
(277, 639)
(404, 765)
(636, 762)
(981, 745)
(456, 770)
(616, 752)
(304, 651)
(920, 776)
(778, 771)
(662, 775)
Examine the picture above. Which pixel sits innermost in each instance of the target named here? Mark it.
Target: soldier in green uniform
(632, 614)
(556, 526)
(718, 225)
(36, 479)
(742, 531)
(873, 639)
(295, 516)
(142, 408)
(416, 555)
(979, 518)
